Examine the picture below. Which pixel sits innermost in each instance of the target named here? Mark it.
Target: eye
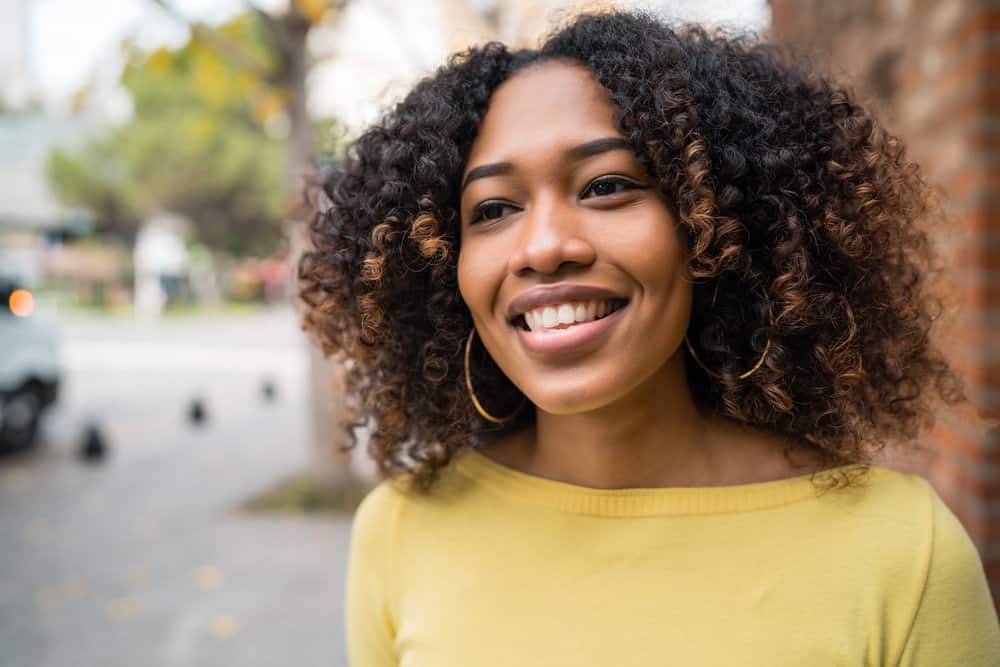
(490, 210)
(609, 185)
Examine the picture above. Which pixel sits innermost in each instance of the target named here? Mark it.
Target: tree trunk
(331, 466)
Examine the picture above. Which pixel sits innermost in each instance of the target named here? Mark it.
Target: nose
(549, 236)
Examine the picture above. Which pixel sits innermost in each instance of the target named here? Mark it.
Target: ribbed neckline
(576, 499)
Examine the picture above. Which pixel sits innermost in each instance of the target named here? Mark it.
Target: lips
(546, 295)
(574, 339)
(559, 317)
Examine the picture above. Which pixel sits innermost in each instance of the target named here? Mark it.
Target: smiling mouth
(559, 317)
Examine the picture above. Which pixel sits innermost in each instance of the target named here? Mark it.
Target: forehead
(546, 107)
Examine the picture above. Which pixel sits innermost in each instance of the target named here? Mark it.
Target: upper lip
(552, 294)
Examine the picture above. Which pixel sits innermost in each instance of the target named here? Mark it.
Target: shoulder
(882, 523)
(908, 506)
(908, 509)
(954, 568)
(950, 610)
(892, 511)
(903, 545)
(392, 502)
(883, 495)
(375, 520)
(904, 523)
(381, 504)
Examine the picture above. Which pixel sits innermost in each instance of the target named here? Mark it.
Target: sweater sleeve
(955, 622)
(370, 623)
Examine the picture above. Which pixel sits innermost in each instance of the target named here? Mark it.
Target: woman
(631, 313)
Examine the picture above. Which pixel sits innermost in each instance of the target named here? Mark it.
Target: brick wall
(931, 68)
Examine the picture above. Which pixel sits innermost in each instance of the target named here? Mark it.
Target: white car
(29, 366)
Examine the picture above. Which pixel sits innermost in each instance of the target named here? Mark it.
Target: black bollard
(197, 414)
(269, 390)
(93, 446)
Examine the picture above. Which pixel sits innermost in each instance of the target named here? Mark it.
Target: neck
(653, 436)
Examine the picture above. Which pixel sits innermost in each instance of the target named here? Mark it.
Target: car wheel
(19, 416)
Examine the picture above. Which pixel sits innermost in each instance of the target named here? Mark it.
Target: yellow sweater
(499, 567)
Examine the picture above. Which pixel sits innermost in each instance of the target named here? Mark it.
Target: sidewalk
(146, 559)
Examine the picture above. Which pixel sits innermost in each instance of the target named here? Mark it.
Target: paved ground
(145, 560)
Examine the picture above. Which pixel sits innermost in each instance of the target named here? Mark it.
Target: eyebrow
(574, 154)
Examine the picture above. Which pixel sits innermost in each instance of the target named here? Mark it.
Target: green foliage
(93, 179)
(303, 493)
(330, 139)
(206, 139)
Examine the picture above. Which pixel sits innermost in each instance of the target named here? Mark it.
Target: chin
(574, 398)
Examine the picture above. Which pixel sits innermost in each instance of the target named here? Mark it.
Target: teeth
(555, 316)
(529, 319)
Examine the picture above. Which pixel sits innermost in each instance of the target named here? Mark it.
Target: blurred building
(15, 81)
(933, 70)
(32, 221)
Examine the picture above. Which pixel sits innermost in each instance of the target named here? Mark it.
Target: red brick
(973, 178)
(781, 14)
(970, 510)
(992, 568)
(967, 101)
(984, 140)
(973, 222)
(980, 211)
(977, 256)
(956, 80)
(984, 295)
(984, 22)
(984, 375)
(945, 436)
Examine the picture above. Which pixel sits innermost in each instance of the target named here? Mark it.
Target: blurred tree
(278, 72)
(246, 78)
(219, 133)
(280, 68)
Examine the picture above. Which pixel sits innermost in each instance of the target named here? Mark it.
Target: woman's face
(554, 198)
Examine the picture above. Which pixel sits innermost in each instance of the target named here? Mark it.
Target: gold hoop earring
(748, 373)
(472, 394)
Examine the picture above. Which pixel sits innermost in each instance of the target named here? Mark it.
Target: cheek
(662, 263)
(473, 274)
(462, 271)
(649, 248)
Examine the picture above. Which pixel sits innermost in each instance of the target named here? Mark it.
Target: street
(145, 557)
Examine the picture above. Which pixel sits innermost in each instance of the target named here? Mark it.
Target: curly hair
(797, 204)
